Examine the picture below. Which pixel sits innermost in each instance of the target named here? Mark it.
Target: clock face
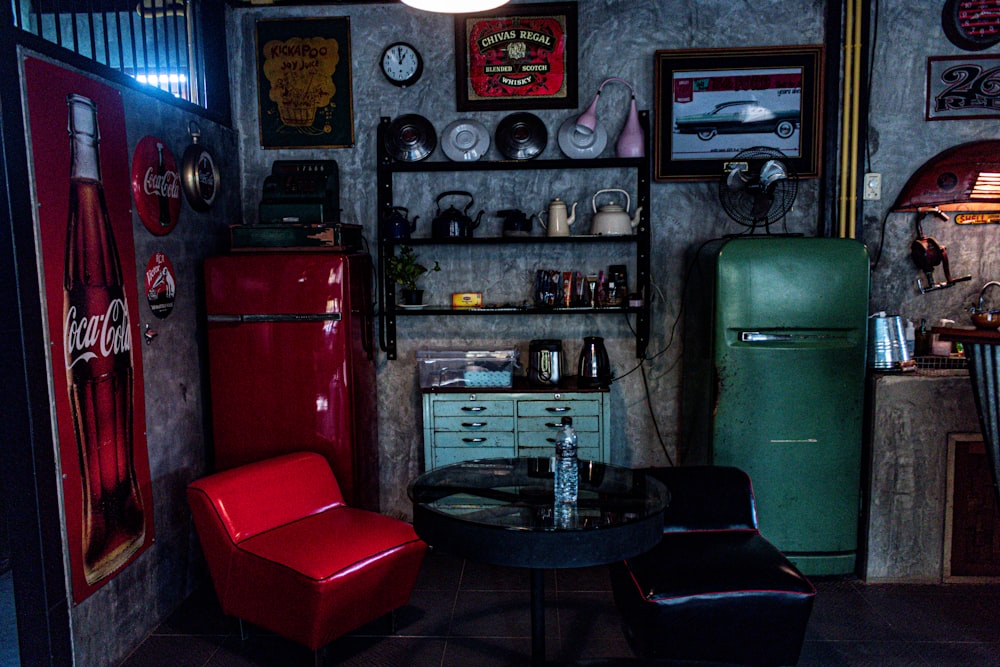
(972, 25)
(401, 64)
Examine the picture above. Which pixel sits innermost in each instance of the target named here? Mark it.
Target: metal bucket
(887, 343)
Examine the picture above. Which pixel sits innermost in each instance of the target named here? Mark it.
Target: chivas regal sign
(518, 58)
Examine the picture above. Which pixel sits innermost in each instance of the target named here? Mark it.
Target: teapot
(558, 222)
(515, 222)
(453, 223)
(396, 225)
(612, 219)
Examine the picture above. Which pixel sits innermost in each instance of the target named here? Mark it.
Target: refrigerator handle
(280, 317)
(758, 337)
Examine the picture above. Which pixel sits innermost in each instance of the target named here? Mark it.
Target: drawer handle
(474, 441)
(473, 424)
(552, 425)
(473, 408)
(564, 408)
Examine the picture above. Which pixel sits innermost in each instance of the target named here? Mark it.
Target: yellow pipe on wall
(845, 116)
(848, 200)
(852, 219)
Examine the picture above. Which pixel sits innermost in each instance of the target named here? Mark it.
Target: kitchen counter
(909, 419)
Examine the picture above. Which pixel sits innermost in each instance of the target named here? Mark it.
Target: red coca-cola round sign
(156, 185)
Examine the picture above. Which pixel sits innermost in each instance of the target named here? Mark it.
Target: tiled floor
(464, 614)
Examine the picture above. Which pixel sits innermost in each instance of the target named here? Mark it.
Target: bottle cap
(567, 421)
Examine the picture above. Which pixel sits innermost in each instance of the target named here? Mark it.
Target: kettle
(612, 219)
(593, 367)
(396, 225)
(453, 223)
(559, 219)
(545, 360)
(515, 222)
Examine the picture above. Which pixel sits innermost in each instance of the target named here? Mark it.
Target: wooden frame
(304, 83)
(963, 87)
(517, 57)
(727, 100)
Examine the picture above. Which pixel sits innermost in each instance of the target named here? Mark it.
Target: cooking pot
(396, 225)
(545, 360)
(453, 223)
(612, 219)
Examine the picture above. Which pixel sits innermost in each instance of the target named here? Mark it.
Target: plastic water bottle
(567, 472)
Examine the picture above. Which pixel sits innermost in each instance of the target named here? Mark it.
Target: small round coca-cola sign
(161, 284)
(156, 185)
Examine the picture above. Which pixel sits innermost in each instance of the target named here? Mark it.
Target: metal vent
(153, 41)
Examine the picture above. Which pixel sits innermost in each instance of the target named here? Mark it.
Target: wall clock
(402, 64)
(972, 25)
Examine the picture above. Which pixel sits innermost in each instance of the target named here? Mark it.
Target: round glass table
(502, 512)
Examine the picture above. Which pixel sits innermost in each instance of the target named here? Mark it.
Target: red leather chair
(286, 554)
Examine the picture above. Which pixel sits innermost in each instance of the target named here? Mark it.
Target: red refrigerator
(292, 363)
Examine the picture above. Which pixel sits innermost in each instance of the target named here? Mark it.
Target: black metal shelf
(505, 310)
(388, 167)
(511, 240)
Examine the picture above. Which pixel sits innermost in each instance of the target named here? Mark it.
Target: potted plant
(404, 270)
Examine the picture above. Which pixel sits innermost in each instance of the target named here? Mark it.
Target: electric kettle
(594, 367)
(545, 360)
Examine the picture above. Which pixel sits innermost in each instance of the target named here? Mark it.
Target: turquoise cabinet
(486, 423)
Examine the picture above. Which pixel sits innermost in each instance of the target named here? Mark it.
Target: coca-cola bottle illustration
(98, 343)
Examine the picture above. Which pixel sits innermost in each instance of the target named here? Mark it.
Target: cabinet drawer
(466, 407)
(585, 424)
(546, 439)
(448, 455)
(583, 453)
(474, 423)
(484, 440)
(554, 408)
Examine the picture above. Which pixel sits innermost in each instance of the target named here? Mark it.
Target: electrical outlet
(873, 187)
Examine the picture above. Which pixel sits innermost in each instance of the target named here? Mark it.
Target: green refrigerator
(775, 337)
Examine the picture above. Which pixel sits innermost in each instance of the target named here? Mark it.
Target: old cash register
(299, 208)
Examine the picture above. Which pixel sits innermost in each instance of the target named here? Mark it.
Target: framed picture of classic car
(710, 104)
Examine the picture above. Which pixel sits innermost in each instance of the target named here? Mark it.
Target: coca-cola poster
(79, 158)
(156, 185)
(517, 57)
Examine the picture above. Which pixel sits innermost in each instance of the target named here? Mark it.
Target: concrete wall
(900, 140)
(617, 38)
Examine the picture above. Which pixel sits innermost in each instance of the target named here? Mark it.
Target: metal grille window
(153, 41)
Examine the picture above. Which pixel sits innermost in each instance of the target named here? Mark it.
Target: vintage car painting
(738, 117)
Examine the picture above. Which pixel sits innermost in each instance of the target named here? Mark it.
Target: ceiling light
(454, 6)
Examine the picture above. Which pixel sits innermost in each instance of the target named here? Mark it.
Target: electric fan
(758, 187)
